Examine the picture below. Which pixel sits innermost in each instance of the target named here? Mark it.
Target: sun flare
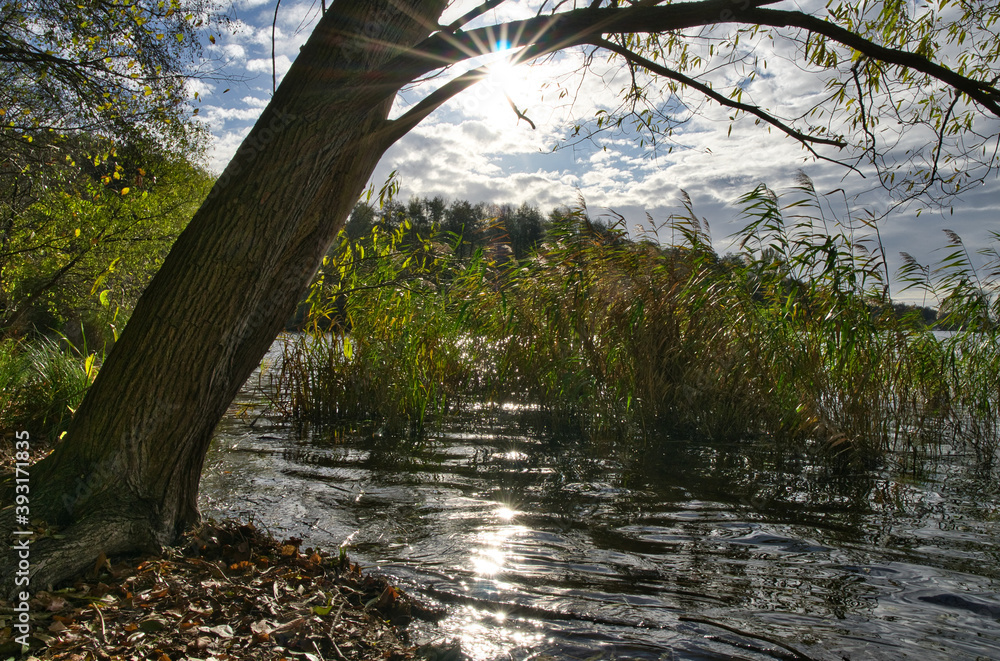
(503, 73)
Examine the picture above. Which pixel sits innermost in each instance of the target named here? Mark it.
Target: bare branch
(556, 32)
(274, 68)
(861, 109)
(940, 141)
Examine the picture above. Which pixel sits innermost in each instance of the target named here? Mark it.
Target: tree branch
(661, 70)
(984, 93)
(472, 15)
(579, 26)
(555, 32)
(404, 123)
(274, 67)
(548, 34)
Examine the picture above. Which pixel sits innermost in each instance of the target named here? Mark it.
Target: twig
(340, 655)
(520, 115)
(274, 68)
(104, 633)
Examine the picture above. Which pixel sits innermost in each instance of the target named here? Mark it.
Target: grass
(41, 384)
(793, 340)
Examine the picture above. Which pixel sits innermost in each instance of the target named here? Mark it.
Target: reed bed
(793, 339)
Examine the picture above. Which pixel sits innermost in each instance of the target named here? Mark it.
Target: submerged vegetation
(793, 340)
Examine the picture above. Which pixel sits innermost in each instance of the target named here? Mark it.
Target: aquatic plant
(793, 339)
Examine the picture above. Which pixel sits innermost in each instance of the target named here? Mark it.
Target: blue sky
(475, 147)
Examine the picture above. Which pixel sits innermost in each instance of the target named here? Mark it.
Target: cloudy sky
(475, 147)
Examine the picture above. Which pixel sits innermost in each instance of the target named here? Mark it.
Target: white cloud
(235, 52)
(224, 147)
(256, 102)
(218, 116)
(281, 63)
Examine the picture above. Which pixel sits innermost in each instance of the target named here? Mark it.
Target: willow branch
(559, 31)
(399, 127)
(721, 99)
(984, 93)
(556, 32)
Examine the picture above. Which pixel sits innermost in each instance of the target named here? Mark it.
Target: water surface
(544, 547)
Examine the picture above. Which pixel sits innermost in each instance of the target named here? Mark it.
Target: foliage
(795, 339)
(88, 246)
(110, 67)
(404, 356)
(99, 145)
(881, 68)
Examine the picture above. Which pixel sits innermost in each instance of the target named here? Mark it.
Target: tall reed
(792, 339)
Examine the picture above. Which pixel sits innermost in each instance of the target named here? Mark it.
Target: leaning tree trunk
(126, 476)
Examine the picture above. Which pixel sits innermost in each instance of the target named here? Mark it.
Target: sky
(476, 148)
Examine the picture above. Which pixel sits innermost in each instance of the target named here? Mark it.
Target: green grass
(41, 384)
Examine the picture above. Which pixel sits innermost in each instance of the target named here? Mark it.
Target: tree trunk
(126, 476)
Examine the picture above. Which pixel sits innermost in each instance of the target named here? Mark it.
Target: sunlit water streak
(560, 549)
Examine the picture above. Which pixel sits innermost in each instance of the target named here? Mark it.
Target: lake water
(557, 548)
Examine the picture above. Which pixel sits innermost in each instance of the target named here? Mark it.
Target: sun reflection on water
(487, 633)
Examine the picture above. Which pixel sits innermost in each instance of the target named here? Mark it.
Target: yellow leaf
(211, 38)
(76, 232)
(125, 191)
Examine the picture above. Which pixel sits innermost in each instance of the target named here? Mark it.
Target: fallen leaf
(152, 625)
(261, 627)
(222, 630)
(57, 604)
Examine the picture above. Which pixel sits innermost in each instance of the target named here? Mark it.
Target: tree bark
(125, 478)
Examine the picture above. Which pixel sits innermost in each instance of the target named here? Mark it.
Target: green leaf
(324, 610)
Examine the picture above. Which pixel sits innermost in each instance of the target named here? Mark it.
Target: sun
(505, 81)
(501, 67)
(503, 74)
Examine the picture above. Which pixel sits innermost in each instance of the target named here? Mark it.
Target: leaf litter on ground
(230, 592)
